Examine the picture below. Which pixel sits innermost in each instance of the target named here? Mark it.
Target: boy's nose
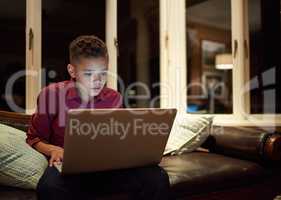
(95, 77)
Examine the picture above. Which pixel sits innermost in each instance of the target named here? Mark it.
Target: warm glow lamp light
(224, 61)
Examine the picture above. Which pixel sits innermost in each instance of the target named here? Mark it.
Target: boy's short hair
(87, 46)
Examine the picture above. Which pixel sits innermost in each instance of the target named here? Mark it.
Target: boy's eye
(99, 73)
(87, 74)
(104, 73)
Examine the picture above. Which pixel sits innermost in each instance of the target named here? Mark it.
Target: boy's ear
(71, 70)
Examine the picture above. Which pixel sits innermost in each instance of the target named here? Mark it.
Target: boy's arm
(40, 123)
(54, 152)
(40, 126)
(118, 101)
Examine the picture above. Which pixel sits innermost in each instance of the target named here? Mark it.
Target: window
(12, 55)
(62, 22)
(178, 50)
(197, 39)
(209, 57)
(139, 52)
(264, 26)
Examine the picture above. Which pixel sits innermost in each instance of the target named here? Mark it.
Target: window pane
(209, 79)
(12, 55)
(264, 18)
(138, 61)
(63, 21)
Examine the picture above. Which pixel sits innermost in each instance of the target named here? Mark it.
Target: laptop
(110, 139)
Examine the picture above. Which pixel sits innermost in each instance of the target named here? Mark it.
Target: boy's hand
(56, 155)
(54, 152)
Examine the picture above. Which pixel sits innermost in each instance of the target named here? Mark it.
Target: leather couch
(234, 163)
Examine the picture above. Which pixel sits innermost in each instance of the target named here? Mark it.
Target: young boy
(86, 89)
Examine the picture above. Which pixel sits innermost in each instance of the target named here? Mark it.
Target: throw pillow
(20, 165)
(188, 133)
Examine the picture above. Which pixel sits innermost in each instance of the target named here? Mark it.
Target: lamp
(224, 61)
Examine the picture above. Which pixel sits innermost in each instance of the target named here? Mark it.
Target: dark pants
(139, 183)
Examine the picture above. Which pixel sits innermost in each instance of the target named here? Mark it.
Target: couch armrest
(16, 120)
(250, 143)
(272, 147)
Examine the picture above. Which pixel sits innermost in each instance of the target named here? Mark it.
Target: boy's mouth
(96, 88)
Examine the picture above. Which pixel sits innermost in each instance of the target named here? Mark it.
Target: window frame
(111, 41)
(33, 54)
(173, 64)
(173, 56)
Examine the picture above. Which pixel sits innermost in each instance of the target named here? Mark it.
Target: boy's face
(90, 75)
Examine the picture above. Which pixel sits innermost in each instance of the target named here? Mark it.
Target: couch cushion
(189, 174)
(199, 172)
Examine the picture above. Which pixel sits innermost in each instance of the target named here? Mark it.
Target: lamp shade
(224, 61)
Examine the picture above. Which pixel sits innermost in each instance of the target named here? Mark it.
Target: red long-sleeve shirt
(48, 122)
